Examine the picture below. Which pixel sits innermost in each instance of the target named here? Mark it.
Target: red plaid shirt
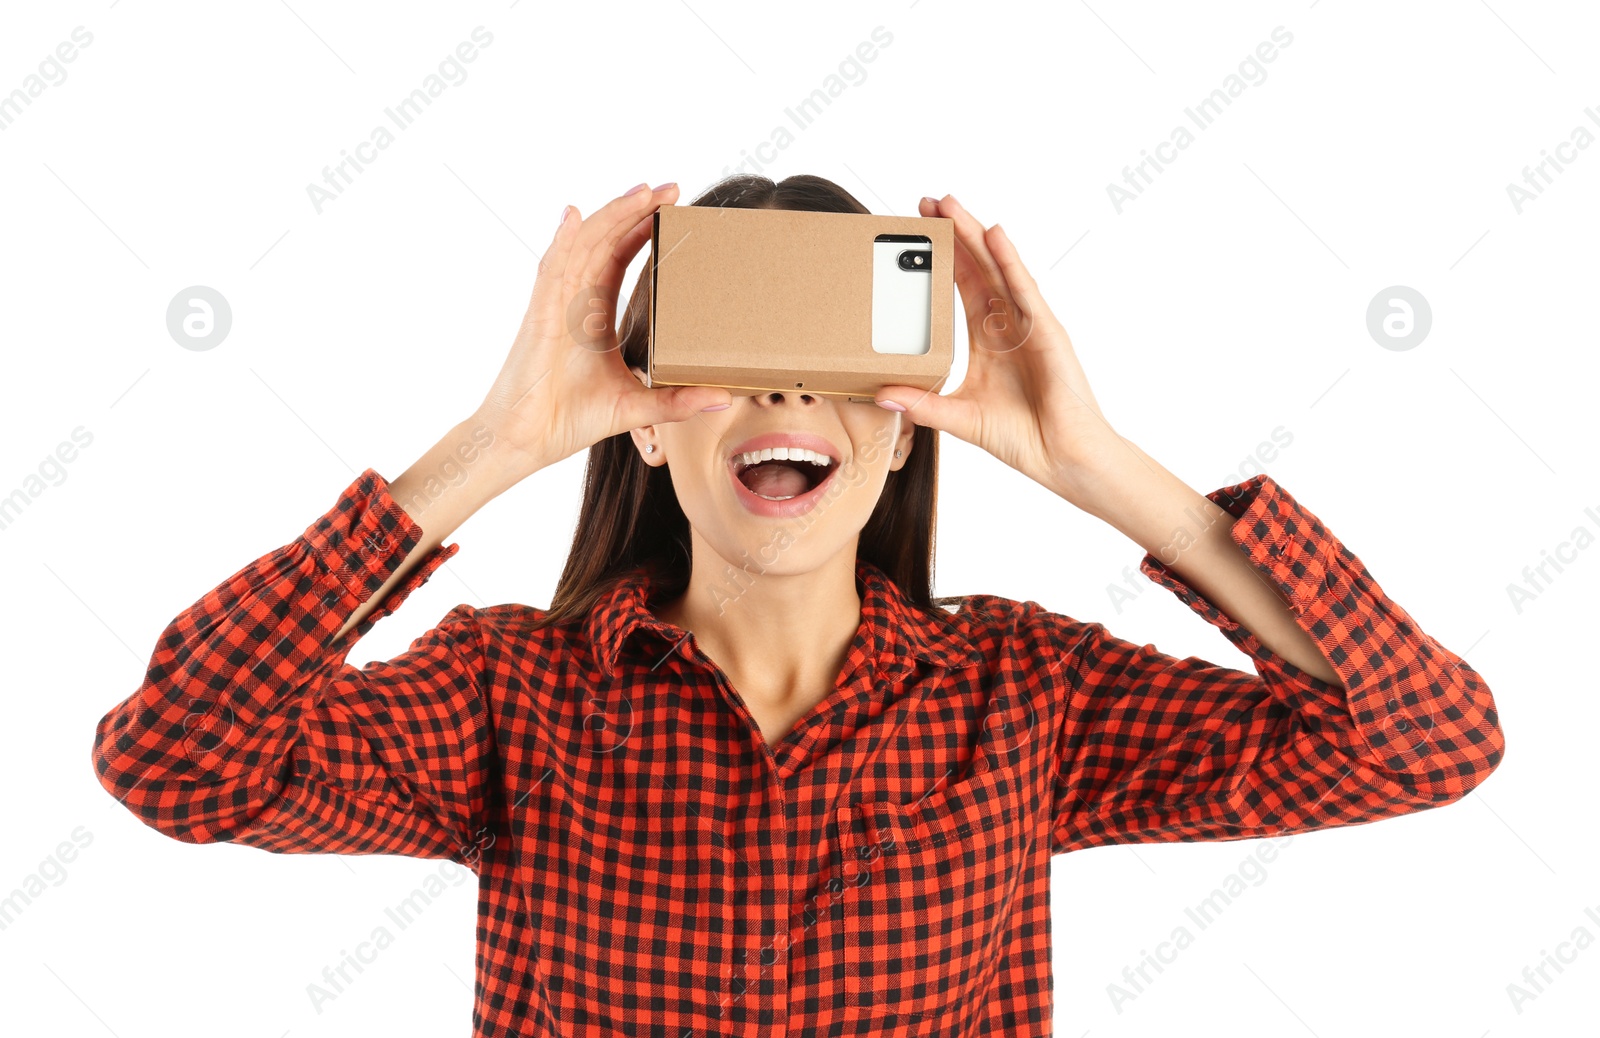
(647, 865)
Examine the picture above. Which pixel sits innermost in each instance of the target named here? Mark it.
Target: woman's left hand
(1025, 398)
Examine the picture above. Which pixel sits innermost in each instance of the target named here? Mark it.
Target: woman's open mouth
(781, 481)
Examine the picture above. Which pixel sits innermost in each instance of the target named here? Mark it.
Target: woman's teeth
(784, 454)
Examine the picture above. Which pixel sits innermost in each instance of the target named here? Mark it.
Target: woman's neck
(781, 638)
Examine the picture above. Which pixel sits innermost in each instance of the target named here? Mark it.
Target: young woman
(745, 775)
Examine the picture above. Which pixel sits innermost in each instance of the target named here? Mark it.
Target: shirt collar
(894, 627)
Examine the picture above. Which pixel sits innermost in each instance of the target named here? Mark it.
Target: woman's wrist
(467, 468)
(1099, 478)
(1158, 511)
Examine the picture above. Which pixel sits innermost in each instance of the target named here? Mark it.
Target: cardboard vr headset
(838, 304)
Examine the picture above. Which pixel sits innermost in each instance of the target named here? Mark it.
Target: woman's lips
(784, 509)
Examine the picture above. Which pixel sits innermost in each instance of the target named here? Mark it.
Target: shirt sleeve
(249, 726)
(1151, 748)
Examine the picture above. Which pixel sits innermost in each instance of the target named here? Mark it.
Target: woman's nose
(786, 396)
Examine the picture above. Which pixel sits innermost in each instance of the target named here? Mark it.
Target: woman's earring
(649, 448)
(897, 453)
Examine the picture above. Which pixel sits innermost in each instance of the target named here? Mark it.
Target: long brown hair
(630, 515)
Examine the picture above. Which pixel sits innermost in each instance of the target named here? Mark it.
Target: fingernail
(891, 405)
(930, 199)
(635, 189)
(663, 187)
(715, 407)
(563, 221)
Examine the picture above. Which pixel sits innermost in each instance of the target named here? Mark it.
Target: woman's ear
(648, 444)
(644, 437)
(900, 453)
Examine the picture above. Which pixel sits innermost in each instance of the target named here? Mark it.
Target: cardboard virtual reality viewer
(839, 304)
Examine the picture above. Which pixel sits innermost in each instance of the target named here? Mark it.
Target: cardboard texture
(756, 300)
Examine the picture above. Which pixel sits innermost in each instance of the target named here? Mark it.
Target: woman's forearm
(466, 469)
(1192, 536)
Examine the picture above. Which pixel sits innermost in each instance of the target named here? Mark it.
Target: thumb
(666, 404)
(949, 414)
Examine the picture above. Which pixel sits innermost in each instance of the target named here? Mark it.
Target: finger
(602, 231)
(970, 278)
(630, 205)
(544, 303)
(976, 297)
(1030, 303)
(642, 406)
(990, 282)
(626, 249)
(597, 299)
(627, 241)
(1023, 287)
(555, 257)
(592, 311)
(952, 414)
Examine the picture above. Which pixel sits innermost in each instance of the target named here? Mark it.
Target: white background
(1225, 301)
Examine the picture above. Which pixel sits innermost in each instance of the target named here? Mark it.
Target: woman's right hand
(565, 386)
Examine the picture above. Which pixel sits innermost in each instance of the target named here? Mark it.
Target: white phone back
(902, 300)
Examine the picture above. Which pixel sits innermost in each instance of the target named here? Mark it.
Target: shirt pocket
(928, 884)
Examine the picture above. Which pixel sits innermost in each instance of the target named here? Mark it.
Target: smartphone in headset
(902, 293)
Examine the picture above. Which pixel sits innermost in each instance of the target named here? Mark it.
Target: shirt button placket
(772, 958)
